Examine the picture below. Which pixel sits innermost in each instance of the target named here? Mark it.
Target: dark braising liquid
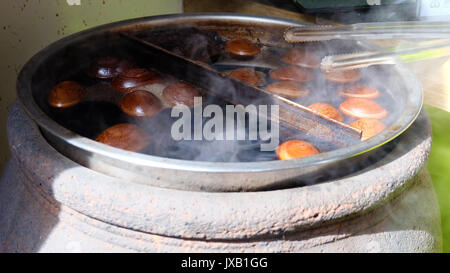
(89, 119)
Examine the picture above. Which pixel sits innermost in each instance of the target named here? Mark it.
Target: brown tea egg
(134, 78)
(288, 89)
(66, 94)
(292, 149)
(242, 48)
(369, 127)
(291, 73)
(360, 91)
(327, 110)
(363, 108)
(180, 93)
(301, 57)
(248, 75)
(140, 103)
(109, 67)
(343, 76)
(125, 136)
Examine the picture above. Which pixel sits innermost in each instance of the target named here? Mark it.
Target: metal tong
(374, 31)
(369, 31)
(422, 51)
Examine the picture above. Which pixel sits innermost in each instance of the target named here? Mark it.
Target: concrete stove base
(49, 203)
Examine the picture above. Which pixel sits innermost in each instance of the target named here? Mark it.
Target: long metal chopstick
(290, 113)
(369, 31)
(388, 56)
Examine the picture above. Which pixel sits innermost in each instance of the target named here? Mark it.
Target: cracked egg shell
(301, 57)
(242, 48)
(288, 89)
(109, 67)
(181, 93)
(291, 73)
(360, 91)
(140, 103)
(369, 127)
(327, 110)
(363, 108)
(343, 76)
(66, 94)
(295, 148)
(134, 78)
(125, 136)
(248, 75)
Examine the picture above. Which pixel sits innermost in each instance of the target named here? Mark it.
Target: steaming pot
(63, 192)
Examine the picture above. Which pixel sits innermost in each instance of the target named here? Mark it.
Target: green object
(424, 55)
(438, 167)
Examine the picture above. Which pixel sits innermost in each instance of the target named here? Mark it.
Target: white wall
(29, 25)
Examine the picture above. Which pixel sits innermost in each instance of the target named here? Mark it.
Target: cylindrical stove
(74, 185)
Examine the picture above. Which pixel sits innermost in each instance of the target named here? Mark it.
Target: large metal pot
(57, 61)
